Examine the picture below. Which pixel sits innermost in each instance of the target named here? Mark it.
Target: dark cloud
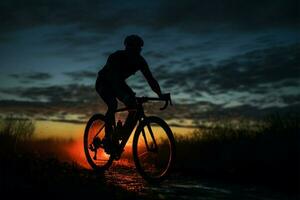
(251, 72)
(59, 101)
(53, 110)
(195, 112)
(50, 110)
(29, 77)
(90, 14)
(246, 14)
(256, 72)
(67, 93)
(155, 55)
(39, 76)
(79, 75)
(253, 112)
(291, 99)
(81, 25)
(108, 15)
(248, 71)
(75, 39)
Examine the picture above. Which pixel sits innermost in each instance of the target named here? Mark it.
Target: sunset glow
(76, 153)
(214, 86)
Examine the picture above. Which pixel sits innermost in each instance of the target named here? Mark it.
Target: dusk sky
(218, 59)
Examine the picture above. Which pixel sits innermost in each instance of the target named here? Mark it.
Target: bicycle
(153, 143)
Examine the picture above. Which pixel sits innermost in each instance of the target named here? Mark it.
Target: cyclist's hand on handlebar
(167, 98)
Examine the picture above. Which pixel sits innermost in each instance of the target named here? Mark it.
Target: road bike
(153, 143)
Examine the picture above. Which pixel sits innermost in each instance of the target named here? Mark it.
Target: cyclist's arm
(150, 79)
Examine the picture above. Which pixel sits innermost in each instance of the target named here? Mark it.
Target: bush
(268, 150)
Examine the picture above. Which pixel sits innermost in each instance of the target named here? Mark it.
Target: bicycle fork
(153, 146)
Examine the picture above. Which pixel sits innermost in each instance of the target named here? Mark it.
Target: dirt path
(183, 187)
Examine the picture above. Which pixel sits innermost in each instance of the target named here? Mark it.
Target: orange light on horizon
(49, 129)
(76, 153)
(74, 150)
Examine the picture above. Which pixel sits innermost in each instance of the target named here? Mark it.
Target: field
(44, 167)
(265, 154)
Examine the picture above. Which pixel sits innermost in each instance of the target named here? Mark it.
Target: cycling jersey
(120, 65)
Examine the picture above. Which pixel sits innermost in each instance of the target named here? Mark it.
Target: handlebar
(165, 97)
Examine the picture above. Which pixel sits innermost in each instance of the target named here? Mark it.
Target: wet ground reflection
(124, 175)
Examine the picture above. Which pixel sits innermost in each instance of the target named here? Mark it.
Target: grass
(267, 152)
(33, 167)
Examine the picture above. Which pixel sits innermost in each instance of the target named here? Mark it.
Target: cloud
(33, 76)
(60, 112)
(74, 39)
(250, 84)
(155, 55)
(254, 71)
(291, 99)
(258, 67)
(244, 14)
(51, 110)
(66, 93)
(79, 75)
(110, 15)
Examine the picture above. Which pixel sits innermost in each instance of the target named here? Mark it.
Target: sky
(218, 59)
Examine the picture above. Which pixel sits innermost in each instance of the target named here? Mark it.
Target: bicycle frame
(141, 117)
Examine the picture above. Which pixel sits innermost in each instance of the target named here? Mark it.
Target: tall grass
(267, 151)
(13, 132)
(16, 139)
(35, 167)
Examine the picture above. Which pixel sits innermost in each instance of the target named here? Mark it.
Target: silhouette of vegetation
(264, 152)
(31, 167)
(14, 131)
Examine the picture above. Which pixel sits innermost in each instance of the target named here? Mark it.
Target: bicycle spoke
(99, 131)
(145, 139)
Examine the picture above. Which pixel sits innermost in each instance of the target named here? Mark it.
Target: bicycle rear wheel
(93, 147)
(153, 149)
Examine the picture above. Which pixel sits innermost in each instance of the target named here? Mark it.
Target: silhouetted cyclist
(111, 84)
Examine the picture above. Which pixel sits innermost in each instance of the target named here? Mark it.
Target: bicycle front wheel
(93, 147)
(153, 149)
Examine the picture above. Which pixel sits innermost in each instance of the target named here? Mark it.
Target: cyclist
(111, 85)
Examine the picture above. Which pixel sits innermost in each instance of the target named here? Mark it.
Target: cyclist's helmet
(133, 41)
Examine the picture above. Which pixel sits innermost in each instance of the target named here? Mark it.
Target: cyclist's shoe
(110, 146)
(107, 144)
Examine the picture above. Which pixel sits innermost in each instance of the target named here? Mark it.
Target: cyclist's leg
(127, 96)
(112, 104)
